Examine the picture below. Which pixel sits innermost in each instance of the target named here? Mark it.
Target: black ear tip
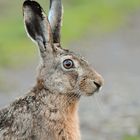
(28, 2)
(31, 3)
(34, 6)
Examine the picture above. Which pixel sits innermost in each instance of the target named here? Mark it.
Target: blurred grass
(131, 137)
(80, 17)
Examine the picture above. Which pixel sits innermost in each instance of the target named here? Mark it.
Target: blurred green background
(80, 16)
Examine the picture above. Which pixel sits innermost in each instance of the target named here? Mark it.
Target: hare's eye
(68, 63)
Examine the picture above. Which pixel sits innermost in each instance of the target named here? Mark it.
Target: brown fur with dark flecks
(49, 110)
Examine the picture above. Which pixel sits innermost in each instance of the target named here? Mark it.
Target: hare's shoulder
(16, 120)
(5, 118)
(11, 112)
(30, 104)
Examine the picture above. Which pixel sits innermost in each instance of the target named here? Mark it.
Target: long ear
(37, 25)
(55, 19)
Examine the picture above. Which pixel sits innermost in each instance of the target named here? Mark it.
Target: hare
(49, 110)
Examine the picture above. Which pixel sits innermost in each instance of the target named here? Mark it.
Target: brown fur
(49, 110)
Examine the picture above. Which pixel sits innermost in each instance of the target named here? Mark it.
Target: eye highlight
(68, 64)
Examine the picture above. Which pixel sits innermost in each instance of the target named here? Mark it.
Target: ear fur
(36, 24)
(55, 19)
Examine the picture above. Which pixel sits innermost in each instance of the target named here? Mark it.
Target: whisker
(100, 105)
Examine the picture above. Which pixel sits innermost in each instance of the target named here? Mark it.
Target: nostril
(97, 85)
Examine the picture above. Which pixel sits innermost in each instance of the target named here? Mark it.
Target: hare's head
(61, 71)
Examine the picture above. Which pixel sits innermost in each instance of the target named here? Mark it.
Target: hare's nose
(97, 84)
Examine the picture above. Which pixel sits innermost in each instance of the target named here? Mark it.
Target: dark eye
(68, 63)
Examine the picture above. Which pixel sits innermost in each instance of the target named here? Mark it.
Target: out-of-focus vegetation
(80, 16)
(131, 137)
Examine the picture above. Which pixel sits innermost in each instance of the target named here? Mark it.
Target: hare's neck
(59, 112)
(64, 104)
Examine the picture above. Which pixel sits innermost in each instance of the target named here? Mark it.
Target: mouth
(92, 93)
(97, 90)
(89, 87)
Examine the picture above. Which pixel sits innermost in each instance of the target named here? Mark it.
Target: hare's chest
(51, 134)
(62, 131)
